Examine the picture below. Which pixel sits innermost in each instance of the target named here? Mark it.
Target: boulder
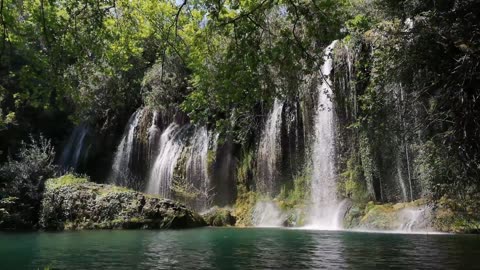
(219, 217)
(74, 203)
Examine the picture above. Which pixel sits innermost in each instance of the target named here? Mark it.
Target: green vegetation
(68, 179)
(219, 217)
(294, 200)
(387, 216)
(453, 215)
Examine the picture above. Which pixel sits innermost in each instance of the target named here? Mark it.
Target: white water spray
(267, 214)
(413, 219)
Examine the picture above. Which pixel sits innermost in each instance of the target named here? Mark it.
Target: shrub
(22, 179)
(25, 175)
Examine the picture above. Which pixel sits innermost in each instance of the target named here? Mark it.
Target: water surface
(234, 248)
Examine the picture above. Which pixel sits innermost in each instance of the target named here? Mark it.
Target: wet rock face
(97, 206)
(219, 217)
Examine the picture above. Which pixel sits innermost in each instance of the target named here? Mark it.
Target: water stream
(123, 159)
(76, 149)
(170, 149)
(269, 150)
(324, 201)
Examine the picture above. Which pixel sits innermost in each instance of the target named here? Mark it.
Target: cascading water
(325, 206)
(74, 149)
(413, 219)
(269, 150)
(154, 133)
(197, 163)
(267, 214)
(123, 157)
(170, 149)
(401, 181)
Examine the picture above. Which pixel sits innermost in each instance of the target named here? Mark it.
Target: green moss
(461, 215)
(66, 180)
(113, 189)
(246, 198)
(219, 217)
(211, 158)
(378, 216)
(244, 206)
(245, 168)
(296, 197)
(352, 184)
(381, 217)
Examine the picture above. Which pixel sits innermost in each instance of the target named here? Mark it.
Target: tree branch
(177, 16)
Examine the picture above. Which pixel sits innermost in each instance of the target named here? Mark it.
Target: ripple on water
(233, 248)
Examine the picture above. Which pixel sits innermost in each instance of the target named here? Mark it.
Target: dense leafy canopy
(223, 62)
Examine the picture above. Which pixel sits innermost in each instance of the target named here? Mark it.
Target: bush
(25, 175)
(22, 180)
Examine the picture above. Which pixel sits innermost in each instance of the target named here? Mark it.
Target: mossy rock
(384, 216)
(380, 217)
(457, 215)
(219, 217)
(71, 203)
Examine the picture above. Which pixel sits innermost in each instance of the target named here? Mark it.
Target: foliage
(244, 206)
(457, 214)
(252, 52)
(246, 197)
(352, 183)
(22, 183)
(164, 85)
(297, 196)
(24, 176)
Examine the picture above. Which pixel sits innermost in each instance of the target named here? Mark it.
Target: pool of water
(235, 248)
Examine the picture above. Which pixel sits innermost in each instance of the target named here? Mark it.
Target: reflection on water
(233, 248)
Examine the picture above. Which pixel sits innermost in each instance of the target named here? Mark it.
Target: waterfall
(197, 163)
(170, 149)
(154, 133)
(401, 181)
(324, 202)
(269, 149)
(74, 149)
(412, 219)
(121, 174)
(267, 214)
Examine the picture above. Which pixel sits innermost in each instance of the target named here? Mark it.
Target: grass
(66, 180)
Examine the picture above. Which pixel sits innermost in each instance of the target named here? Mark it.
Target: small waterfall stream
(197, 163)
(154, 133)
(122, 161)
(324, 202)
(413, 219)
(269, 150)
(170, 149)
(75, 148)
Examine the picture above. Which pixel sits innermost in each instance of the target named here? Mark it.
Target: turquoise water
(234, 248)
